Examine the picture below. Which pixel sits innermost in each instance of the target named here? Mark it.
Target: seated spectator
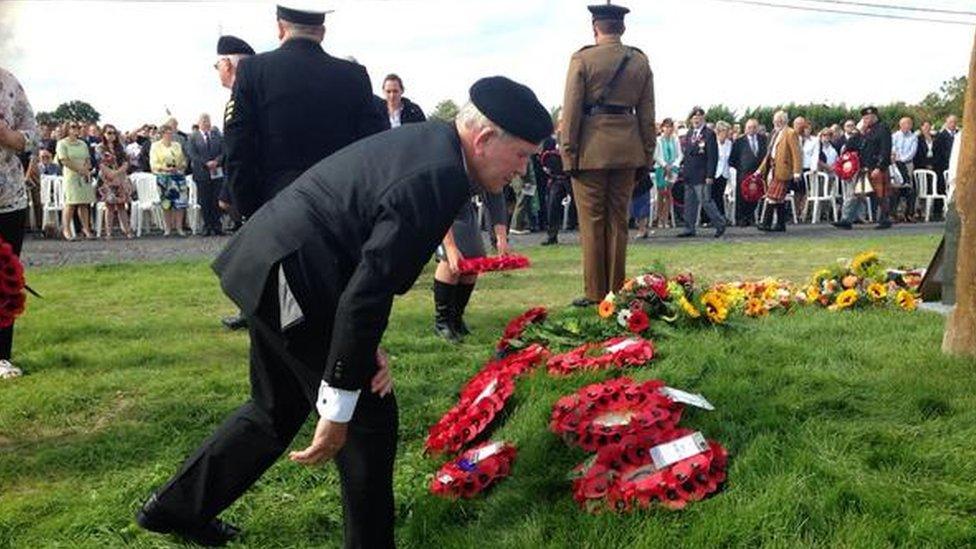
(75, 158)
(828, 154)
(400, 110)
(168, 164)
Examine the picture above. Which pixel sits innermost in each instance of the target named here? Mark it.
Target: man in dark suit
(206, 150)
(315, 270)
(290, 108)
(748, 152)
(942, 150)
(700, 160)
(842, 138)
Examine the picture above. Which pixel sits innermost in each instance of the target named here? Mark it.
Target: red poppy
(476, 265)
(638, 321)
(474, 471)
(618, 352)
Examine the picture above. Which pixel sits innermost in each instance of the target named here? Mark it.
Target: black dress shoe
(883, 225)
(720, 230)
(215, 533)
(846, 225)
(550, 242)
(235, 322)
(218, 232)
(583, 302)
(685, 234)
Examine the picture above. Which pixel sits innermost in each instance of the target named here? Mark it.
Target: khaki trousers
(603, 204)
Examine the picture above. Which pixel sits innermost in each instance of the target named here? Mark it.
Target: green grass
(845, 430)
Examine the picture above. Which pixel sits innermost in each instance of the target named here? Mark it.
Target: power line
(843, 12)
(894, 7)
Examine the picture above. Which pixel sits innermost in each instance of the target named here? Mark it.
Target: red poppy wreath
(516, 327)
(606, 413)
(618, 352)
(12, 296)
(486, 264)
(474, 471)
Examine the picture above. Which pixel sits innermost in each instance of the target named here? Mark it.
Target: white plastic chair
(192, 205)
(147, 202)
(730, 196)
(52, 200)
(928, 191)
(950, 186)
(566, 203)
(480, 208)
(819, 191)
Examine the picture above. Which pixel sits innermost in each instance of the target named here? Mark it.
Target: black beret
(301, 17)
(869, 110)
(232, 45)
(608, 11)
(512, 106)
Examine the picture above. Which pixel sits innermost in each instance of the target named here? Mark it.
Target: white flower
(623, 316)
(610, 297)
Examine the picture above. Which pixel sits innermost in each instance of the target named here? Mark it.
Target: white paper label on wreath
(445, 479)
(614, 419)
(489, 389)
(486, 451)
(617, 347)
(672, 452)
(692, 399)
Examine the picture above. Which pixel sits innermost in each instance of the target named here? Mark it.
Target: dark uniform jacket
(290, 108)
(876, 148)
(356, 229)
(700, 157)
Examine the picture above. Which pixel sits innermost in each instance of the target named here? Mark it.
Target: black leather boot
(444, 311)
(462, 294)
(780, 226)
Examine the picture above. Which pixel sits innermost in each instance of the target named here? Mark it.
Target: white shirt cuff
(336, 405)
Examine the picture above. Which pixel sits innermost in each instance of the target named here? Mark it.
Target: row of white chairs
(146, 208)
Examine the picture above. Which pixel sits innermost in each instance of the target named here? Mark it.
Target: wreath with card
(614, 353)
(473, 472)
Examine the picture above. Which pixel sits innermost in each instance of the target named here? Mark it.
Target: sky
(133, 60)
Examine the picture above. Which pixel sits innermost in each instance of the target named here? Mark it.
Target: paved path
(46, 252)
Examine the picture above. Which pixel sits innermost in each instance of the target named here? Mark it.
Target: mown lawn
(845, 430)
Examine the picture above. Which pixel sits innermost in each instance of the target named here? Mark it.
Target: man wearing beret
(875, 155)
(230, 51)
(315, 271)
(290, 108)
(607, 142)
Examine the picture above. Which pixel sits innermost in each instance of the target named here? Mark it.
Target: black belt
(607, 109)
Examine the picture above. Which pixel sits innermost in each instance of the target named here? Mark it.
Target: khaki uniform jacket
(608, 141)
(788, 161)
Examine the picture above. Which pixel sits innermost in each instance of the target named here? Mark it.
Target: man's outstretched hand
(329, 438)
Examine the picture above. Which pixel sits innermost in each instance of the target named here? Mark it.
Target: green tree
(76, 110)
(45, 118)
(445, 110)
(715, 113)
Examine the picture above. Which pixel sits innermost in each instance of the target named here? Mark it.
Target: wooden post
(960, 333)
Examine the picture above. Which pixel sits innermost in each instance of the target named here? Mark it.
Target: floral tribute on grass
(515, 329)
(642, 471)
(12, 286)
(480, 401)
(474, 471)
(864, 282)
(486, 264)
(614, 353)
(605, 413)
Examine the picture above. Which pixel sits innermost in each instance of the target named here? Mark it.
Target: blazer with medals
(290, 108)
(700, 156)
(788, 160)
(608, 141)
(362, 224)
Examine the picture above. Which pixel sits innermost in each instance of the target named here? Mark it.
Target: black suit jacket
(357, 228)
(200, 152)
(942, 150)
(700, 157)
(875, 148)
(290, 108)
(922, 160)
(741, 157)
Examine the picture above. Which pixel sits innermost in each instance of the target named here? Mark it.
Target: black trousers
(208, 191)
(559, 188)
(283, 389)
(12, 232)
(718, 197)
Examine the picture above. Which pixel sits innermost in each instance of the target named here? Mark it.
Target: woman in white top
(810, 148)
(722, 173)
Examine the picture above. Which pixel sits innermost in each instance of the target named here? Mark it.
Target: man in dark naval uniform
(875, 153)
(315, 271)
(292, 107)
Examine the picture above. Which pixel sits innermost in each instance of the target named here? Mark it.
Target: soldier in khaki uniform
(606, 141)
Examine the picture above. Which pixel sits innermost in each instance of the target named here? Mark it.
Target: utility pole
(960, 332)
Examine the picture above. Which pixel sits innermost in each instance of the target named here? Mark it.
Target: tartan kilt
(881, 184)
(776, 190)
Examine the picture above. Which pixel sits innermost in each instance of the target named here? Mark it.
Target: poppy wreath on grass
(623, 476)
(474, 471)
(516, 327)
(606, 413)
(618, 352)
(12, 296)
(847, 165)
(470, 416)
(511, 367)
(486, 264)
